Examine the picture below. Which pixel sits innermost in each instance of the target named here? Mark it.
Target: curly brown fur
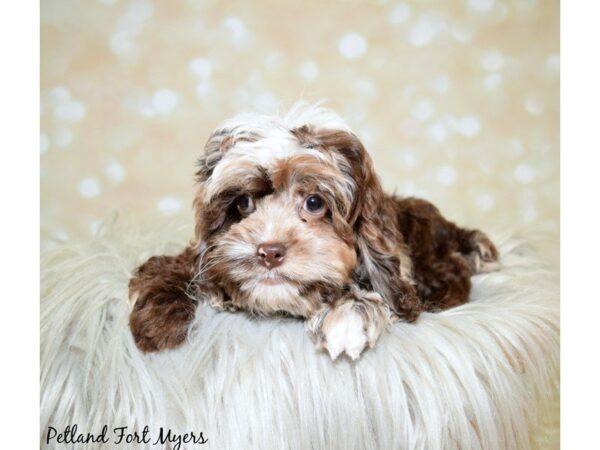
(348, 254)
(164, 304)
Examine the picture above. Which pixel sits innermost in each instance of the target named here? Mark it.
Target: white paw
(344, 331)
(349, 327)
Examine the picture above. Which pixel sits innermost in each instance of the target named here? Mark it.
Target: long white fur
(479, 376)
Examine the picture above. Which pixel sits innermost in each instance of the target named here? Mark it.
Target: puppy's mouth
(273, 278)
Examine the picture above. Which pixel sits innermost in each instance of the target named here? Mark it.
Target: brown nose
(271, 254)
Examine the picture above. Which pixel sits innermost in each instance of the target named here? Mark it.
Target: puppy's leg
(163, 305)
(350, 323)
(444, 255)
(444, 282)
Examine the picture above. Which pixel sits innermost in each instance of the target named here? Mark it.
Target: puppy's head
(278, 207)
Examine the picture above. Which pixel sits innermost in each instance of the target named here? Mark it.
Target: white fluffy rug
(480, 376)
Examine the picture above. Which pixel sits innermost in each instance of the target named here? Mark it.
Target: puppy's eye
(244, 204)
(314, 204)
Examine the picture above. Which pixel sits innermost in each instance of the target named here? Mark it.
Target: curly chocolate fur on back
(368, 251)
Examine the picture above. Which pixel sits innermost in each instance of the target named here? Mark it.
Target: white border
(580, 224)
(19, 326)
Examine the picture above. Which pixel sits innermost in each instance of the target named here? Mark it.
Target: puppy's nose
(271, 254)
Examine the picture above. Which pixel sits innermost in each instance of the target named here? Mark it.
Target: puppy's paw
(162, 299)
(160, 319)
(485, 257)
(344, 331)
(350, 324)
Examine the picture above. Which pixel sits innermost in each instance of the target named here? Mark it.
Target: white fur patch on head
(301, 113)
(248, 159)
(274, 141)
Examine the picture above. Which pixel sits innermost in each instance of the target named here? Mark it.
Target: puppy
(291, 218)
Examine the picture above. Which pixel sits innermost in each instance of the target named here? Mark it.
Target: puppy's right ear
(214, 150)
(216, 146)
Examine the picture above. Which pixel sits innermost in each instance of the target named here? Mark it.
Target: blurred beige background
(457, 101)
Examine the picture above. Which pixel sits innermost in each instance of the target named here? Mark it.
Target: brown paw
(485, 257)
(406, 305)
(162, 299)
(160, 320)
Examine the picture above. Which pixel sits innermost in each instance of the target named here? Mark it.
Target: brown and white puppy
(291, 218)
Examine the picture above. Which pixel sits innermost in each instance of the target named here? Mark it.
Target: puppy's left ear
(383, 258)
